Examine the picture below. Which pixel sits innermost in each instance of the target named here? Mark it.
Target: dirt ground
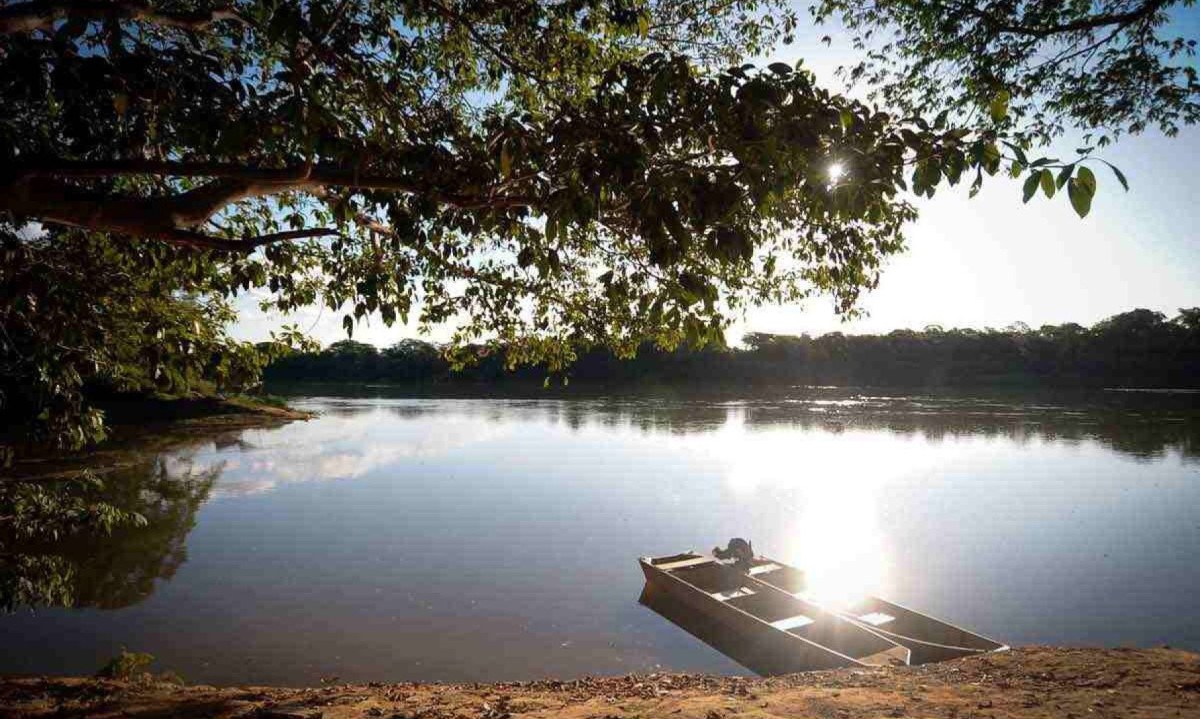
(1027, 682)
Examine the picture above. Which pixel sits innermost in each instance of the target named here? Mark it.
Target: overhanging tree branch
(1146, 10)
(272, 180)
(40, 191)
(42, 14)
(190, 238)
(169, 219)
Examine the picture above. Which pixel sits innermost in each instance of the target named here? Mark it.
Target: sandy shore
(1027, 682)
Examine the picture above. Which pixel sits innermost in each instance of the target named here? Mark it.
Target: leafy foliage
(79, 309)
(538, 175)
(1043, 66)
(126, 665)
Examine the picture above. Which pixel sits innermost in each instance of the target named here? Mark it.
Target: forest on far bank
(1140, 348)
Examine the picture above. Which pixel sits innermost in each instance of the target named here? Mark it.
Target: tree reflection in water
(97, 540)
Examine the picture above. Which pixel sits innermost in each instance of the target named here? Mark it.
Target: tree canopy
(539, 175)
(1102, 66)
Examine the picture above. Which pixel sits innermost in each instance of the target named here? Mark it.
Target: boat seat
(731, 594)
(876, 619)
(682, 563)
(792, 622)
(763, 568)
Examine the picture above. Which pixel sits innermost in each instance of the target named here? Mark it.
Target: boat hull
(750, 640)
(928, 638)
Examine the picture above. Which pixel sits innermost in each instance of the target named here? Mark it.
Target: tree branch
(42, 14)
(191, 238)
(37, 192)
(264, 181)
(496, 52)
(169, 219)
(1146, 9)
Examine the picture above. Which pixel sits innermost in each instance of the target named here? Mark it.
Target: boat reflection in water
(759, 616)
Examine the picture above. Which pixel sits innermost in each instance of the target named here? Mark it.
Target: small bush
(126, 665)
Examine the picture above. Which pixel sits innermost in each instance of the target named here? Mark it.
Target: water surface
(485, 539)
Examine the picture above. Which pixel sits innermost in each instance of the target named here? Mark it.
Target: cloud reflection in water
(827, 483)
(346, 445)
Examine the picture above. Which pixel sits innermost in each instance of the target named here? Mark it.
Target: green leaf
(1064, 175)
(1021, 158)
(505, 160)
(918, 179)
(991, 158)
(1120, 175)
(643, 24)
(933, 176)
(1047, 183)
(953, 167)
(1087, 180)
(1031, 186)
(780, 68)
(1081, 197)
(847, 119)
(998, 107)
(525, 257)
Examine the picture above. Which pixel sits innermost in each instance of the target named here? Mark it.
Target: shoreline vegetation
(1140, 349)
(1042, 682)
(142, 418)
(229, 411)
(1136, 349)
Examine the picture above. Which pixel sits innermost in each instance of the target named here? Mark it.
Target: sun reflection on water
(837, 541)
(828, 488)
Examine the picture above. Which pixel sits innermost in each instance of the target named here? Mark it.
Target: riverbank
(123, 411)
(139, 425)
(1032, 682)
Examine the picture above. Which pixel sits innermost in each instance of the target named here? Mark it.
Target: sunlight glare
(836, 171)
(825, 489)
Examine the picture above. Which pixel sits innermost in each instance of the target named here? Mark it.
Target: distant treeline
(1140, 348)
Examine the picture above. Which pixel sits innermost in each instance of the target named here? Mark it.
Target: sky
(987, 261)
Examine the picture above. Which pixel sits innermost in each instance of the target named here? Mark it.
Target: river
(434, 538)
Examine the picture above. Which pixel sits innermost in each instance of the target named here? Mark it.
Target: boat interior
(781, 608)
(882, 616)
(893, 619)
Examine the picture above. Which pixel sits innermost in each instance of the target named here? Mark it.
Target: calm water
(458, 539)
